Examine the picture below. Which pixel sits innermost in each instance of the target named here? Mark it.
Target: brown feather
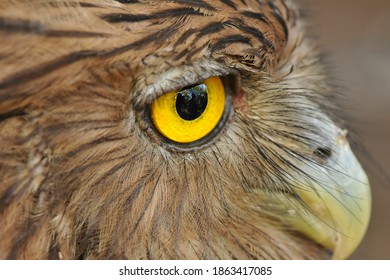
(80, 177)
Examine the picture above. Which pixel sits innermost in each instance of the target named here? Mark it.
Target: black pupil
(191, 102)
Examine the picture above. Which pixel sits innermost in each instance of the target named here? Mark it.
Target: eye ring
(194, 118)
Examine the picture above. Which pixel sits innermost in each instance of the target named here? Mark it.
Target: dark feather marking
(43, 69)
(20, 112)
(73, 34)
(256, 33)
(128, 1)
(168, 14)
(197, 3)
(53, 253)
(283, 24)
(18, 25)
(185, 36)
(212, 28)
(196, 50)
(204, 31)
(229, 3)
(82, 246)
(279, 18)
(58, 63)
(254, 15)
(19, 96)
(229, 40)
(56, 4)
(286, 8)
(183, 53)
(10, 25)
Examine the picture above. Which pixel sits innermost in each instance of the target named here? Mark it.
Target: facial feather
(80, 178)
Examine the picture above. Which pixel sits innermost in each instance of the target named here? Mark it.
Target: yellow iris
(190, 114)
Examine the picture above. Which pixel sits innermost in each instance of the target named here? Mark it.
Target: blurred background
(355, 36)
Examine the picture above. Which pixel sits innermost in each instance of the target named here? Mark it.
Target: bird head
(171, 129)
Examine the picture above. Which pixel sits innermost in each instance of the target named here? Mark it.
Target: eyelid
(149, 88)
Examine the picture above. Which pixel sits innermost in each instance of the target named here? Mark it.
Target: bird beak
(337, 202)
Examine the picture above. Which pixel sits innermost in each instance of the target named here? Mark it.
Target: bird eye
(190, 114)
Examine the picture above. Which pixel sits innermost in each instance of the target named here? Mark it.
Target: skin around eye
(190, 114)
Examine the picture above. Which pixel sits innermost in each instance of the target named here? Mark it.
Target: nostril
(323, 152)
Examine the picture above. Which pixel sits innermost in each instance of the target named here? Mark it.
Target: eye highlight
(190, 114)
